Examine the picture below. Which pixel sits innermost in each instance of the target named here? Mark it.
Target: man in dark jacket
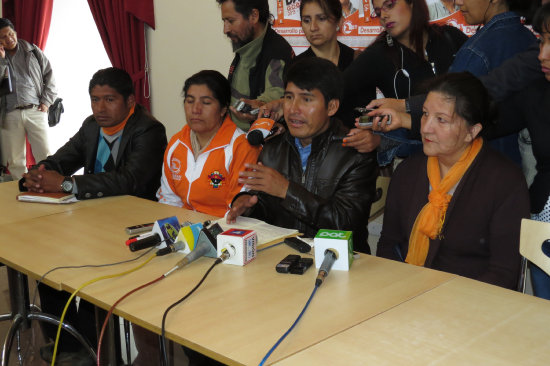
(305, 179)
(256, 73)
(120, 147)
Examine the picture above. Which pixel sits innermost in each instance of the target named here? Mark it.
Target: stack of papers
(267, 234)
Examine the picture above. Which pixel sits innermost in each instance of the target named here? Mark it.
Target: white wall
(188, 38)
(72, 73)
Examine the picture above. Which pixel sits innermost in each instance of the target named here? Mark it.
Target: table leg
(19, 299)
(127, 341)
(19, 295)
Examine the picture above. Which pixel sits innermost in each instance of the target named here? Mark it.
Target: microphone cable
(330, 256)
(39, 281)
(100, 340)
(163, 330)
(289, 329)
(58, 335)
(160, 252)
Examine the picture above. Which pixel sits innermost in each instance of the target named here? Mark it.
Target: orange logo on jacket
(216, 179)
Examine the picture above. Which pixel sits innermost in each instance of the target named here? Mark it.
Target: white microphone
(237, 246)
(165, 231)
(331, 255)
(259, 130)
(341, 242)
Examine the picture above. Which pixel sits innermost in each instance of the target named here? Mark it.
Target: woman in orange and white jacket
(202, 161)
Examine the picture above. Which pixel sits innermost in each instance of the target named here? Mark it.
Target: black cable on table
(163, 330)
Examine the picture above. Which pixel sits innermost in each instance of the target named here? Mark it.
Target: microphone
(205, 246)
(338, 241)
(148, 242)
(189, 234)
(331, 255)
(237, 246)
(259, 130)
(338, 139)
(164, 231)
(171, 248)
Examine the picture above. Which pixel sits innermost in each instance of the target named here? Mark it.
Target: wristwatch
(407, 106)
(67, 185)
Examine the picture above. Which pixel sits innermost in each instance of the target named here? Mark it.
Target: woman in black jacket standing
(404, 55)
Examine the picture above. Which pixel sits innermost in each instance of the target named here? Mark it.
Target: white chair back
(533, 235)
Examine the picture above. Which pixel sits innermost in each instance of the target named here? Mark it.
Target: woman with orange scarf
(457, 207)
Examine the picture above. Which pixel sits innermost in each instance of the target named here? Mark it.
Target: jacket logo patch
(216, 179)
(175, 167)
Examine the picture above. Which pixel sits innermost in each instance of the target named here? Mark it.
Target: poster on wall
(361, 26)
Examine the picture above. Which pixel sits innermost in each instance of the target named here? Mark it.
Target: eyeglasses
(386, 6)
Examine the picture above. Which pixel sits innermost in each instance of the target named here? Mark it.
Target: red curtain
(121, 25)
(31, 19)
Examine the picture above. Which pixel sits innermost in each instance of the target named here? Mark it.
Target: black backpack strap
(36, 55)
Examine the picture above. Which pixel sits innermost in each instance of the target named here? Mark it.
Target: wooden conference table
(460, 322)
(239, 312)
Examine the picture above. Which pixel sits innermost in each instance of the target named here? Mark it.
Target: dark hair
(216, 82)
(114, 77)
(420, 19)
(332, 8)
(541, 21)
(245, 7)
(521, 7)
(316, 73)
(529, 13)
(472, 101)
(5, 22)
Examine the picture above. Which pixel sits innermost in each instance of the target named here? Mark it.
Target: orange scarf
(429, 222)
(114, 129)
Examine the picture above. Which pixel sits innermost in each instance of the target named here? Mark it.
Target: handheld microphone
(259, 130)
(331, 255)
(189, 235)
(205, 246)
(148, 242)
(341, 242)
(237, 246)
(164, 231)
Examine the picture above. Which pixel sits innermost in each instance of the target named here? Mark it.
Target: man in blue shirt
(305, 179)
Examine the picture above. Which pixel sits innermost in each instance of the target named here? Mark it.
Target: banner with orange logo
(361, 26)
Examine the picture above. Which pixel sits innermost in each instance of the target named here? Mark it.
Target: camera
(367, 121)
(242, 107)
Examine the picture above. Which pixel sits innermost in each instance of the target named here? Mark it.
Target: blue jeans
(539, 278)
(541, 282)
